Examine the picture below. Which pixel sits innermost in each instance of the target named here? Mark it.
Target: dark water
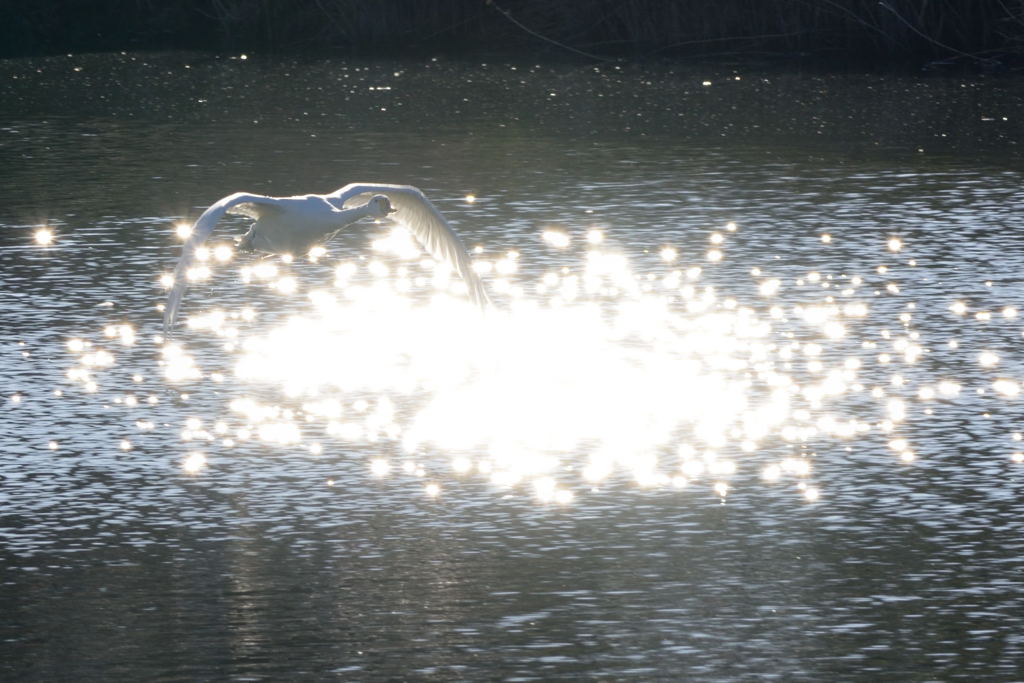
(294, 560)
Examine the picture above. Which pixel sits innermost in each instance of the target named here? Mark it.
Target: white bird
(293, 225)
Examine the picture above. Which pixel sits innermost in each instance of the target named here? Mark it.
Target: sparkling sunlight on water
(593, 371)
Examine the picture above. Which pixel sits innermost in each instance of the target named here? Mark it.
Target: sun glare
(599, 366)
(43, 236)
(588, 374)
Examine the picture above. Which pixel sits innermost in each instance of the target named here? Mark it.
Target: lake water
(747, 406)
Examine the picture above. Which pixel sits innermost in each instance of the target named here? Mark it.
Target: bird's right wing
(239, 202)
(425, 222)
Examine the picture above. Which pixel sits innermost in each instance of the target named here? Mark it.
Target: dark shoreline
(978, 34)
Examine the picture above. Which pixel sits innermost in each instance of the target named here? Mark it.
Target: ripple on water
(588, 493)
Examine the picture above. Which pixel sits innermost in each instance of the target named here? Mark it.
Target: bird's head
(380, 206)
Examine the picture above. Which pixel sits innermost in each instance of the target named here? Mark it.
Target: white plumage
(293, 225)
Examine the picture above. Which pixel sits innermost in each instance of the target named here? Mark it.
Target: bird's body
(293, 225)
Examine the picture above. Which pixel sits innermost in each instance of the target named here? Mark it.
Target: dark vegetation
(983, 32)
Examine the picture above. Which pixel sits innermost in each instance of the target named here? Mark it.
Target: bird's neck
(337, 203)
(355, 213)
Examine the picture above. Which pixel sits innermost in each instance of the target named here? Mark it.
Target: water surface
(748, 406)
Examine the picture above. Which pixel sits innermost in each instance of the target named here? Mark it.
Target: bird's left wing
(428, 226)
(239, 202)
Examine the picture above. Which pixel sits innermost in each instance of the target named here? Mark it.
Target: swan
(293, 225)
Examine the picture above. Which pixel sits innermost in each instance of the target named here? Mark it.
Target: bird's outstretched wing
(428, 226)
(239, 202)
